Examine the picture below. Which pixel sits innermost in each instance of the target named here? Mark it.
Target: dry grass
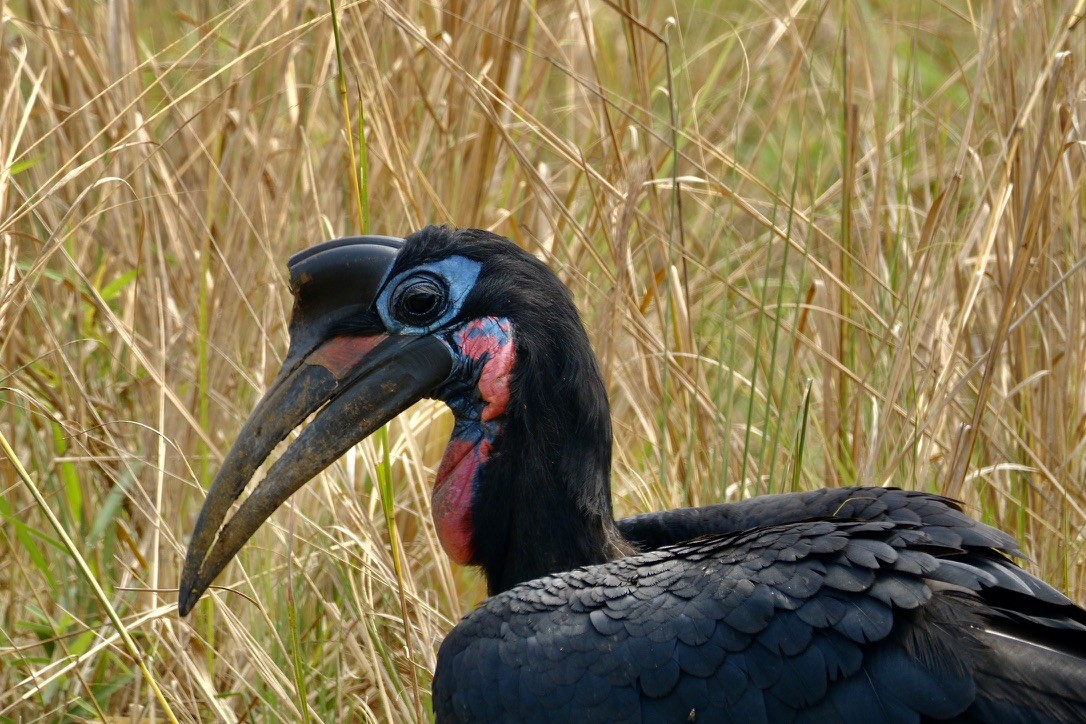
(841, 244)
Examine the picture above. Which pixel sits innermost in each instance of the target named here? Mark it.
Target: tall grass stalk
(87, 576)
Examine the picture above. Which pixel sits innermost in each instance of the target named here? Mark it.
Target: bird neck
(524, 488)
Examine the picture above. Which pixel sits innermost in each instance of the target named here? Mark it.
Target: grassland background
(815, 243)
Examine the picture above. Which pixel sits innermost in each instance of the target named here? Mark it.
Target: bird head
(379, 323)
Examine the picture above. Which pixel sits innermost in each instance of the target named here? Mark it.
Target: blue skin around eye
(459, 274)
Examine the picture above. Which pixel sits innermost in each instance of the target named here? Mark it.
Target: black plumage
(833, 605)
(817, 620)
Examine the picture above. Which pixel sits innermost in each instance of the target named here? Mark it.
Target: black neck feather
(544, 505)
(543, 502)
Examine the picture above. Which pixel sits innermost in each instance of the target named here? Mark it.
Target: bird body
(856, 604)
(827, 619)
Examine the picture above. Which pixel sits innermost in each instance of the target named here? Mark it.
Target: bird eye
(420, 299)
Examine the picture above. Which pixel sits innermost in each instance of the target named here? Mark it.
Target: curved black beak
(342, 365)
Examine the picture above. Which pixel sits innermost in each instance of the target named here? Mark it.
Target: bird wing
(941, 517)
(821, 620)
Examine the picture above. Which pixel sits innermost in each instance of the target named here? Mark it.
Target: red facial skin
(339, 354)
(451, 499)
(489, 342)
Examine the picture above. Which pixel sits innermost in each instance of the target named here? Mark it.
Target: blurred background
(822, 244)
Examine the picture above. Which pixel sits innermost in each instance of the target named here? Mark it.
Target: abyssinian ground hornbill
(848, 604)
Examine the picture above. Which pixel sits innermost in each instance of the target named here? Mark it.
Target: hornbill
(858, 604)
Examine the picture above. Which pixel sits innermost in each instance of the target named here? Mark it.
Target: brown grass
(834, 244)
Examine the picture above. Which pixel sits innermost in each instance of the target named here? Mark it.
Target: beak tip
(184, 602)
(187, 596)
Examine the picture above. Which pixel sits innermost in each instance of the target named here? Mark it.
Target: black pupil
(421, 299)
